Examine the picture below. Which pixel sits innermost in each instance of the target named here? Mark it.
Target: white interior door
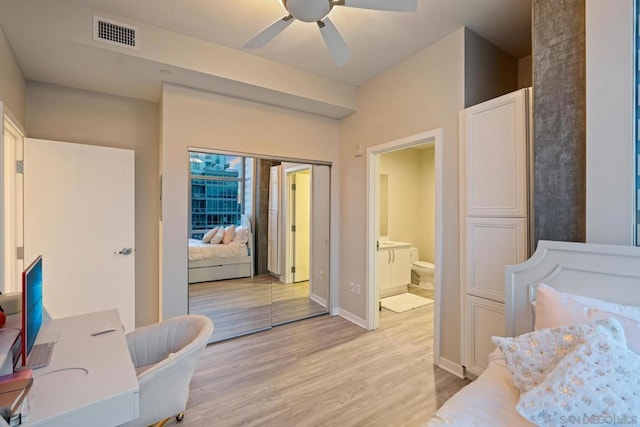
(12, 207)
(273, 255)
(78, 214)
(302, 225)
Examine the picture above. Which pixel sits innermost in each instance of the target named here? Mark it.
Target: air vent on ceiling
(115, 33)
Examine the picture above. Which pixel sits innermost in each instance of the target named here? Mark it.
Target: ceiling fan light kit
(317, 11)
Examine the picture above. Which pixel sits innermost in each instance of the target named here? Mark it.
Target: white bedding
(489, 401)
(198, 250)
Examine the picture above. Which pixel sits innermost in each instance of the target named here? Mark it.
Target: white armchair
(165, 355)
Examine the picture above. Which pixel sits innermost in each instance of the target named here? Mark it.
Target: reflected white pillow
(209, 235)
(242, 235)
(530, 357)
(217, 238)
(229, 233)
(597, 383)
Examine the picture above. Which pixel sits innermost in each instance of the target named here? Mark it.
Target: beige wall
(427, 204)
(488, 71)
(411, 197)
(525, 72)
(12, 83)
(206, 120)
(72, 115)
(422, 93)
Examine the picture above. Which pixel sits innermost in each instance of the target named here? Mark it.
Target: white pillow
(229, 233)
(596, 384)
(554, 308)
(530, 357)
(209, 235)
(217, 238)
(242, 235)
(630, 326)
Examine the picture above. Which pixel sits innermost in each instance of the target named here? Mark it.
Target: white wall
(216, 122)
(424, 92)
(12, 83)
(72, 115)
(525, 72)
(610, 144)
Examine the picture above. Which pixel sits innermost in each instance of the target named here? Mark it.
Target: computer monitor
(31, 306)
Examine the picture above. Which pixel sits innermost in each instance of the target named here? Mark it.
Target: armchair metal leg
(180, 417)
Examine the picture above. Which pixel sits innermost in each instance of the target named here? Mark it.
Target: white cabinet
(484, 319)
(494, 206)
(394, 270)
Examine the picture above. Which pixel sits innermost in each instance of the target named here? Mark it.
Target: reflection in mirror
(258, 241)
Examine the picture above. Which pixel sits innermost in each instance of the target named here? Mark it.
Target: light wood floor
(323, 371)
(241, 306)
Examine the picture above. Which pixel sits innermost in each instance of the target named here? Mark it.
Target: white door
(79, 215)
(494, 154)
(13, 263)
(301, 225)
(273, 255)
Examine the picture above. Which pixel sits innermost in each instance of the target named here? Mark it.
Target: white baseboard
(451, 367)
(352, 318)
(319, 300)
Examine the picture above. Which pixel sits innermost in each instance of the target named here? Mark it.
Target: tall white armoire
(495, 158)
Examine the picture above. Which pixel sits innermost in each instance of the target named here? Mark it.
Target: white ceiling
(200, 42)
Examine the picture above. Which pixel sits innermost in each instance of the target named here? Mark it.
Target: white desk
(91, 380)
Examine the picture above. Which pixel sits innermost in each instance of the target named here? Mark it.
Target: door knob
(124, 251)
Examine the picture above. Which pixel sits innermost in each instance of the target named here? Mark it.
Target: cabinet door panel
(484, 319)
(494, 144)
(492, 243)
(401, 267)
(384, 269)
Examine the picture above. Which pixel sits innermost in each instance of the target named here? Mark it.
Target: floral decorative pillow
(597, 383)
(530, 357)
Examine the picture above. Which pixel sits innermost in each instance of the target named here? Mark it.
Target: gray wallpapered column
(559, 119)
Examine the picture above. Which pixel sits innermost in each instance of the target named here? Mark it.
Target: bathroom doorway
(404, 236)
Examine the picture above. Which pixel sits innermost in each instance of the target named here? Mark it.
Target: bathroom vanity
(394, 267)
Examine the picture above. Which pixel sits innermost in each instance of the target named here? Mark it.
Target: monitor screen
(31, 306)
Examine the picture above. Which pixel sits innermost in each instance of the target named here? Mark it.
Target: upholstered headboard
(607, 272)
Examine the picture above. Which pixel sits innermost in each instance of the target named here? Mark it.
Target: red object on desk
(3, 317)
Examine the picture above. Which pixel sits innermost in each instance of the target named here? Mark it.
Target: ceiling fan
(317, 11)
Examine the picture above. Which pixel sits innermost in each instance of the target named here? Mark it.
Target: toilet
(421, 271)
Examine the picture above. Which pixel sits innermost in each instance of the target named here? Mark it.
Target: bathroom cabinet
(394, 269)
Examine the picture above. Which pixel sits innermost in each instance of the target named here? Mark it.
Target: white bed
(605, 272)
(210, 262)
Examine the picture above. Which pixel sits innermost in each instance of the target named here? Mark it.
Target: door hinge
(293, 269)
(293, 228)
(20, 253)
(293, 187)
(19, 166)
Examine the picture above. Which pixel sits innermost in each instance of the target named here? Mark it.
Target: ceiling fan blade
(388, 5)
(336, 44)
(269, 33)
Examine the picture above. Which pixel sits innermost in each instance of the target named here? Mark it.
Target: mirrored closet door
(258, 241)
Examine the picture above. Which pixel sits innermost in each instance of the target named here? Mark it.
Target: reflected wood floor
(323, 371)
(240, 306)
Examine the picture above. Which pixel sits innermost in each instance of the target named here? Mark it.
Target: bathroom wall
(411, 194)
(426, 204)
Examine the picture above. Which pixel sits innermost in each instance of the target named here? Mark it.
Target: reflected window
(219, 185)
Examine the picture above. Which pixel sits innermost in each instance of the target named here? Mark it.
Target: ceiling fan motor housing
(308, 10)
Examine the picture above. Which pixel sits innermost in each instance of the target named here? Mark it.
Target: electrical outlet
(352, 286)
(358, 288)
(320, 274)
